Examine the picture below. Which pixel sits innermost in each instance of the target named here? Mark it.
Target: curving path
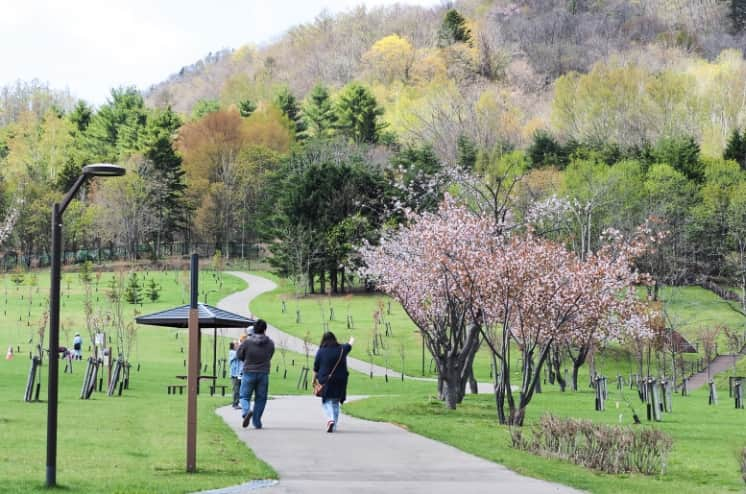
(362, 457)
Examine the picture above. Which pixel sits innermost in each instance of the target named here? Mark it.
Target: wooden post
(193, 371)
(713, 397)
(653, 389)
(738, 392)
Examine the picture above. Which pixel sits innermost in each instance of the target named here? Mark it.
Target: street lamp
(97, 170)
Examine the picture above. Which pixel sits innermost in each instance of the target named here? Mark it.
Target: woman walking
(330, 370)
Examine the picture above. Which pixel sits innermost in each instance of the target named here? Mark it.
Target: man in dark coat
(256, 353)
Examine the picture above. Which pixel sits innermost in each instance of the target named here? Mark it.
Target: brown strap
(341, 354)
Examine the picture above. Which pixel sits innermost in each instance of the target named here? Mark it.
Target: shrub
(610, 449)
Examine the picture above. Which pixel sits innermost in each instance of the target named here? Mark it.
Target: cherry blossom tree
(457, 277)
(432, 266)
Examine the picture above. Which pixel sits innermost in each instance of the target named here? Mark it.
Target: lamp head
(103, 170)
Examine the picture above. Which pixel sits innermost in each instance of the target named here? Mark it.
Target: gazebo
(209, 317)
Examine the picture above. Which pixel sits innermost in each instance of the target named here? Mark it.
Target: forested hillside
(569, 117)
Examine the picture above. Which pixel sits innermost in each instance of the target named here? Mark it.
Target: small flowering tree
(610, 280)
(430, 266)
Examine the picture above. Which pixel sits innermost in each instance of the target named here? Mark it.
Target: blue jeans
(256, 383)
(236, 381)
(331, 410)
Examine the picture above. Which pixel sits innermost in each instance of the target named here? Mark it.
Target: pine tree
(288, 105)
(318, 113)
(246, 107)
(133, 290)
(453, 29)
(115, 130)
(682, 153)
(164, 173)
(358, 112)
(152, 290)
(81, 115)
(466, 153)
(735, 149)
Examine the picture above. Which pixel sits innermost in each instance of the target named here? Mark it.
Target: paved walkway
(721, 363)
(362, 456)
(239, 303)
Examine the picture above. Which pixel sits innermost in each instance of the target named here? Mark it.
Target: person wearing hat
(77, 347)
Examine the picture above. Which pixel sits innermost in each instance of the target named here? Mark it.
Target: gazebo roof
(209, 317)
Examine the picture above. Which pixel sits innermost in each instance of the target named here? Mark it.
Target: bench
(171, 388)
(222, 389)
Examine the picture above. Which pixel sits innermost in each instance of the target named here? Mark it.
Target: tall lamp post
(97, 170)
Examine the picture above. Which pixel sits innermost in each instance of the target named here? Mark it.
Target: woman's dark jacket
(326, 358)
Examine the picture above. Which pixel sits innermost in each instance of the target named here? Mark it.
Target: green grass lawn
(136, 442)
(705, 456)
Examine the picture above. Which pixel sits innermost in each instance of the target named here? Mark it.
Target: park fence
(13, 260)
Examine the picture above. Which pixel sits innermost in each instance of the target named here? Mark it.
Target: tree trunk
(473, 384)
(500, 402)
(577, 363)
(333, 280)
(322, 282)
(556, 364)
(451, 389)
(516, 416)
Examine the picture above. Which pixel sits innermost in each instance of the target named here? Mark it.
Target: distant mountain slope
(523, 45)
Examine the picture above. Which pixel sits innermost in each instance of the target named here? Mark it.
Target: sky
(91, 46)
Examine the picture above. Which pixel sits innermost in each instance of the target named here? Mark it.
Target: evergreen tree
(357, 113)
(682, 153)
(152, 290)
(453, 29)
(318, 113)
(133, 290)
(246, 107)
(735, 149)
(114, 131)
(546, 151)
(288, 105)
(67, 176)
(466, 153)
(164, 173)
(81, 115)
